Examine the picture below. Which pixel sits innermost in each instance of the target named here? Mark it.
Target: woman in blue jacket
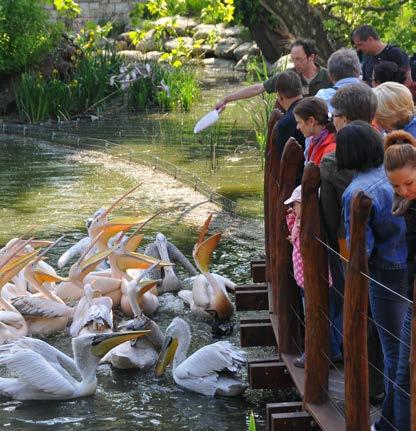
(360, 147)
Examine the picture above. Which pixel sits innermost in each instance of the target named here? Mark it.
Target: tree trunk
(274, 24)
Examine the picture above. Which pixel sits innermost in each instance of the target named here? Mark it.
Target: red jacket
(321, 146)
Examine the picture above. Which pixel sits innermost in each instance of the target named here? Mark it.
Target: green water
(42, 185)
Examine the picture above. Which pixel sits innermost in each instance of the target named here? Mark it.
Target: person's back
(289, 93)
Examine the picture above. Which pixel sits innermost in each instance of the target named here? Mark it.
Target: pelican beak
(204, 230)
(166, 355)
(133, 242)
(90, 263)
(120, 224)
(103, 343)
(138, 261)
(35, 243)
(203, 252)
(14, 266)
(44, 276)
(145, 286)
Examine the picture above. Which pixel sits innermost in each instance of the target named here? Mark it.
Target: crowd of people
(356, 121)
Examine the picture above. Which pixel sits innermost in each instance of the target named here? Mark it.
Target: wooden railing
(284, 293)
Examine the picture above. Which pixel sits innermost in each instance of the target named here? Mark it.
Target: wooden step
(252, 297)
(258, 271)
(256, 332)
(268, 374)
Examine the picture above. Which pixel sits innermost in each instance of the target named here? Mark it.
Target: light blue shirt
(327, 93)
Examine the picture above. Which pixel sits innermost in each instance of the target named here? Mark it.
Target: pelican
(73, 287)
(210, 370)
(142, 353)
(45, 312)
(12, 323)
(45, 373)
(166, 251)
(93, 313)
(210, 298)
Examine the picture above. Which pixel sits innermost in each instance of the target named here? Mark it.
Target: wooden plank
(258, 272)
(256, 332)
(268, 375)
(246, 300)
(252, 286)
(326, 415)
(292, 421)
(293, 406)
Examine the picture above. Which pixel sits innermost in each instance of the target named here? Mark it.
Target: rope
(363, 273)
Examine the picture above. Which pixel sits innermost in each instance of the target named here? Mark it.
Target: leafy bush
(218, 11)
(393, 19)
(165, 88)
(25, 34)
(39, 99)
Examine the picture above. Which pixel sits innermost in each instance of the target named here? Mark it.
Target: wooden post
(271, 173)
(357, 415)
(412, 360)
(315, 267)
(285, 295)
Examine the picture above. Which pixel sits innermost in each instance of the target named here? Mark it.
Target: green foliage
(68, 9)
(180, 55)
(252, 422)
(39, 99)
(257, 70)
(210, 11)
(395, 20)
(259, 113)
(218, 11)
(166, 88)
(25, 34)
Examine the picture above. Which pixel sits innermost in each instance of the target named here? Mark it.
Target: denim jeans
(402, 386)
(388, 311)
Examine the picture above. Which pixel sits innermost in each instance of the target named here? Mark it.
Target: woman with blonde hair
(400, 167)
(395, 108)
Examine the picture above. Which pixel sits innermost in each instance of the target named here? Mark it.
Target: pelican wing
(10, 317)
(40, 306)
(63, 363)
(35, 370)
(212, 359)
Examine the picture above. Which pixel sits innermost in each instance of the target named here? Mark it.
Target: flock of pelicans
(34, 300)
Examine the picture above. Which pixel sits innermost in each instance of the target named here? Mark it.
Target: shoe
(337, 359)
(300, 361)
(373, 428)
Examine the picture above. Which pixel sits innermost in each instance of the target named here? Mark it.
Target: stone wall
(95, 10)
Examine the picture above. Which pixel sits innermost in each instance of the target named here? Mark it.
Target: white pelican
(93, 313)
(143, 353)
(45, 373)
(210, 370)
(210, 298)
(168, 252)
(12, 323)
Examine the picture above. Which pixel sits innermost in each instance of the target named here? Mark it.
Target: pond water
(41, 185)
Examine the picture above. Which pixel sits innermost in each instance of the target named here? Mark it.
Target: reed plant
(165, 88)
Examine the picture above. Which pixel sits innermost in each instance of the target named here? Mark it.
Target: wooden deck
(328, 415)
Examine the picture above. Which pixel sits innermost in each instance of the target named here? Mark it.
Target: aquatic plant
(259, 110)
(165, 87)
(252, 422)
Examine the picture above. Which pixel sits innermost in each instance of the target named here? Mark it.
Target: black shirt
(285, 129)
(389, 53)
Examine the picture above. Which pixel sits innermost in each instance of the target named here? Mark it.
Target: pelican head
(178, 335)
(102, 343)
